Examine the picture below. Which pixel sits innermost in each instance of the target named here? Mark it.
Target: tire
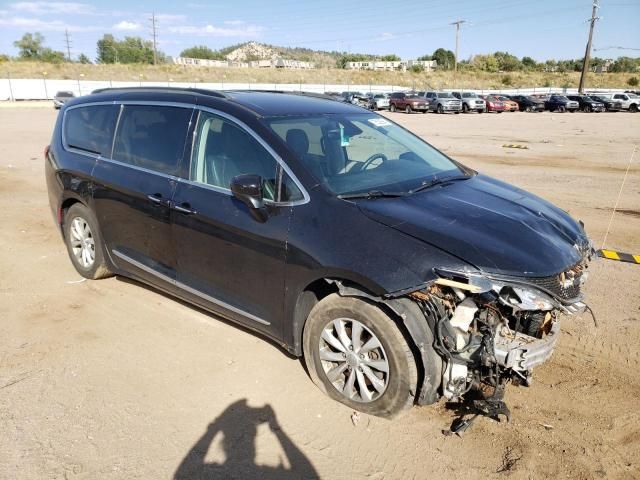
(633, 108)
(400, 383)
(392, 107)
(465, 108)
(587, 109)
(527, 109)
(407, 109)
(480, 111)
(84, 243)
(440, 109)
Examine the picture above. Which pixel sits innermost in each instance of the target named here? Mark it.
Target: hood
(494, 226)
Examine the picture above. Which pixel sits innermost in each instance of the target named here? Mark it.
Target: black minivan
(400, 275)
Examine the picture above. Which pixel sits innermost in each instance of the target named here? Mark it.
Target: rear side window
(152, 137)
(90, 128)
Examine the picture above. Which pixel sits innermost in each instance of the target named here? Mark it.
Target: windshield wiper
(438, 181)
(371, 194)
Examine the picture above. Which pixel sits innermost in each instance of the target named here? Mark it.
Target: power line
(457, 24)
(68, 43)
(587, 53)
(154, 36)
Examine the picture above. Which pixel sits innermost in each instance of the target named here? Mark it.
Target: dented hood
(494, 226)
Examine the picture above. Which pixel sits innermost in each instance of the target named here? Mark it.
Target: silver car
(61, 98)
(471, 102)
(443, 102)
(379, 101)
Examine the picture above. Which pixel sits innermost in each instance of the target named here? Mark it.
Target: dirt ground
(110, 379)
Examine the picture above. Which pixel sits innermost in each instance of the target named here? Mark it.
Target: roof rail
(292, 92)
(201, 91)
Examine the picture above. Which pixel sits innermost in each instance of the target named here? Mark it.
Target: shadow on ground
(238, 425)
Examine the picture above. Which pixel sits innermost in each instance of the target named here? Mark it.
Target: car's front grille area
(566, 285)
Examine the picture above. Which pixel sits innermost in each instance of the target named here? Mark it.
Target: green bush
(633, 82)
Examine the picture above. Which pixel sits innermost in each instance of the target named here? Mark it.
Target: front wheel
(84, 243)
(407, 109)
(633, 108)
(465, 108)
(527, 109)
(392, 108)
(440, 109)
(358, 356)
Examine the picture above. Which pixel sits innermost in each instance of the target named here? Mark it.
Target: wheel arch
(405, 313)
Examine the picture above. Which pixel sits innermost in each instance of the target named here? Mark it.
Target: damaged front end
(492, 330)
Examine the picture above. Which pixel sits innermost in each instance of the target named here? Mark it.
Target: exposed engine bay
(491, 331)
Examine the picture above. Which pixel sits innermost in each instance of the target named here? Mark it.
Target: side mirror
(248, 189)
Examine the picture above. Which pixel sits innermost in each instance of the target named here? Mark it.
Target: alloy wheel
(82, 242)
(353, 360)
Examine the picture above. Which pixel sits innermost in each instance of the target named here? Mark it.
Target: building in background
(428, 65)
(272, 63)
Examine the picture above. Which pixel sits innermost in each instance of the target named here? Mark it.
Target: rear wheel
(358, 356)
(465, 108)
(84, 243)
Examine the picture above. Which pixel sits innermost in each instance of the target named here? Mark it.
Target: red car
(494, 104)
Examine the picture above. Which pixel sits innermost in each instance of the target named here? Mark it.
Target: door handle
(184, 208)
(157, 198)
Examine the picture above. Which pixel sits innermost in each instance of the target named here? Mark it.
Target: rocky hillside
(259, 51)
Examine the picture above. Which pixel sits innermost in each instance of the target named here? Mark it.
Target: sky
(541, 29)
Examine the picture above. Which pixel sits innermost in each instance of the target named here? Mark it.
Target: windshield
(361, 152)
(445, 95)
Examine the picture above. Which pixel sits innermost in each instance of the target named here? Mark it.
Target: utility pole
(457, 24)
(587, 53)
(68, 43)
(154, 36)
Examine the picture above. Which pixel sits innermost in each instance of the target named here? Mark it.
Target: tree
(390, 58)
(425, 58)
(625, 64)
(417, 68)
(52, 56)
(529, 63)
(507, 62)
(83, 59)
(352, 57)
(30, 46)
(633, 82)
(486, 63)
(129, 50)
(201, 51)
(444, 58)
(4, 57)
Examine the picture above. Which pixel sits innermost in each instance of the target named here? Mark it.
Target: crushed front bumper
(521, 352)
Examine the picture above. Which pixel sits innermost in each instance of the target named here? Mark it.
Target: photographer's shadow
(239, 426)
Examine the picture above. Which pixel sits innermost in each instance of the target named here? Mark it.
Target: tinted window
(152, 137)
(223, 150)
(91, 128)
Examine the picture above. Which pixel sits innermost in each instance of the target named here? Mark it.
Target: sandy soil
(111, 379)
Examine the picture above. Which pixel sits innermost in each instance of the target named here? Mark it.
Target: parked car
(407, 102)
(560, 103)
(609, 104)
(398, 274)
(378, 101)
(493, 104)
(61, 98)
(628, 101)
(442, 102)
(471, 102)
(527, 103)
(509, 105)
(587, 104)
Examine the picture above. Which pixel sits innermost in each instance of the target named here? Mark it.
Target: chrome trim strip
(141, 169)
(305, 195)
(187, 288)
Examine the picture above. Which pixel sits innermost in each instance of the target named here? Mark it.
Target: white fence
(44, 89)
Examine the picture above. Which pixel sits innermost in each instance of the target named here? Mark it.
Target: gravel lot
(111, 379)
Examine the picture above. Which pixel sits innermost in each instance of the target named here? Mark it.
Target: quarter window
(91, 128)
(152, 137)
